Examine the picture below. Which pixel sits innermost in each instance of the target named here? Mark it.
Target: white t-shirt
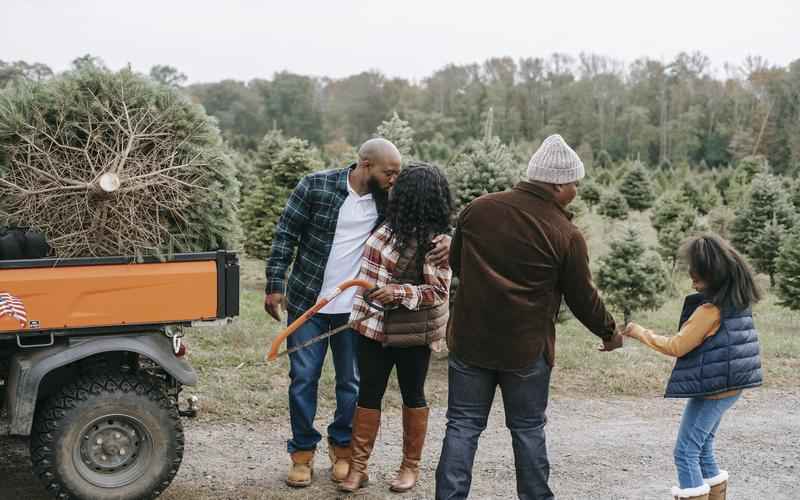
(357, 218)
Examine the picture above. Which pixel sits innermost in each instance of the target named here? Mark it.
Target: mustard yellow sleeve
(702, 324)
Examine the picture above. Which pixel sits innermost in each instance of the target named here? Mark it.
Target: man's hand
(386, 295)
(273, 303)
(440, 254)
(615, 342)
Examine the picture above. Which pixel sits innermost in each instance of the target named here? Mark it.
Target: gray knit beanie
(555, 163)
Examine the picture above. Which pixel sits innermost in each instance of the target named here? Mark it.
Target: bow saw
(296, 324)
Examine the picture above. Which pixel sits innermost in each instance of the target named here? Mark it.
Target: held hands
(616, 341)
(630, 331)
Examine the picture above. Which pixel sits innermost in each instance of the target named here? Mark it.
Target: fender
(29, 367)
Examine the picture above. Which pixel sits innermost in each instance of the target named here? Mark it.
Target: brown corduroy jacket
(516, 254)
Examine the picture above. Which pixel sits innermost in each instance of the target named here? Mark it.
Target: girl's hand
(630, 330)
(390, 294)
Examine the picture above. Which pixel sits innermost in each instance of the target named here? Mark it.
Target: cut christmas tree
(114, 164)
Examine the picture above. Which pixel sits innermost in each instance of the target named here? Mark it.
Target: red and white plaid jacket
(377, 265)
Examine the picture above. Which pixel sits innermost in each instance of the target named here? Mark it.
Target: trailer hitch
(192, 403)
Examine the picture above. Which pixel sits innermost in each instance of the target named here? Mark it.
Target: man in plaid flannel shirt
(321, 236)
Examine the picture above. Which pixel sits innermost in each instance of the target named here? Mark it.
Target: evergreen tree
(267, 153)
(662, 181)
(636, 188)
(675, 220)
(766, 248)
(603, 159)
(788, 271)
(765, 203)
(739, 184)
(400, 133)
(338, 154)
(590, 193)
(671, 206)
(435, 150)
(605, 178)
(245, 171)
(167, 75)
(613, 206)
(578, 208)
(485, 166)
(721, 219)
(670, 239)
(796, 195)
(294, 161)
(174, 184)
(702, 195)
(263, 206)
(631, 278)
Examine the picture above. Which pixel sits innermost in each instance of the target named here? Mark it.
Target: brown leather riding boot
(340, 461)
(415, 427)
(302, 469)
(365, 429)
(719, 486)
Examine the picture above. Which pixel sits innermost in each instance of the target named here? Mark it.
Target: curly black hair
(420, 207)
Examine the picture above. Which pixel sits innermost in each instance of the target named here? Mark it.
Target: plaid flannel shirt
(377, 265)
(304, 237)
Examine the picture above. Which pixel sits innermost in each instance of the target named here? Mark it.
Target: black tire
(107, 436)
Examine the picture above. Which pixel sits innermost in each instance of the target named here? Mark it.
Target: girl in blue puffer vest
(718, 356)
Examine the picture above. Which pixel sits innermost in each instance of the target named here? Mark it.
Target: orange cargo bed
(68, 294)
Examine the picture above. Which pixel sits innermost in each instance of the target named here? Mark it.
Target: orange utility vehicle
(92, 364)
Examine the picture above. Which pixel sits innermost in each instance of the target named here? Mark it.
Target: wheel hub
(110, 445)
(113, 451)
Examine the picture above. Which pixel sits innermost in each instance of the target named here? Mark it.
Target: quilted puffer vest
(726, 361)
(404, 327)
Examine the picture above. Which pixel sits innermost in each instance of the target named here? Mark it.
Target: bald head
(380, 162)
(378, 151)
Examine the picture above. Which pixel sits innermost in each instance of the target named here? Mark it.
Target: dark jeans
(470, 395)
(375, 364)
(305, 370)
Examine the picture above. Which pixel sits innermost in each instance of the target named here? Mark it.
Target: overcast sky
(212, 40)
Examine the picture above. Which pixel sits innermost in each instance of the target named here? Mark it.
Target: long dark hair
(729, 279)
(420, 207)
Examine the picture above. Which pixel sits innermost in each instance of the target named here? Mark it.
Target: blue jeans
(694, 449)
(470, 394)
(304, 373)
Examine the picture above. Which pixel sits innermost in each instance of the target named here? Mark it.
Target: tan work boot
(719, 486)
(365, 429)
(699, 493)
(340, 461)
(415, 427)
(302, 469)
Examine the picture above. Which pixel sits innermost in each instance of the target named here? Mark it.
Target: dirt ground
(599, 449)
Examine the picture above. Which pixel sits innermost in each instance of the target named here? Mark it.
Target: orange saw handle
(276, 344)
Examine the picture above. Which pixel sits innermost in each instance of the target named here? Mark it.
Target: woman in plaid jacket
(415, 293)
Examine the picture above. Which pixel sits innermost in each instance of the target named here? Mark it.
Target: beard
(380, 195)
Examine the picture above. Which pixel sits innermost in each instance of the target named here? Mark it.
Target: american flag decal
(13, 307)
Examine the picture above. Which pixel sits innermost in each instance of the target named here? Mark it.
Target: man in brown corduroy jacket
(516, 255)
